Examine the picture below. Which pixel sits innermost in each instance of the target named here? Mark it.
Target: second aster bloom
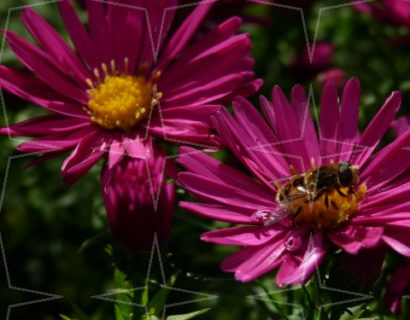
(364, 204)
(113, 93)
(138, 200)
(396, 12)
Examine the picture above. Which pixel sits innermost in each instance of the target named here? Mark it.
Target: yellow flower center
(120, 100)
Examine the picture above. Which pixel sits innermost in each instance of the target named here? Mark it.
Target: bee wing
(303, 192)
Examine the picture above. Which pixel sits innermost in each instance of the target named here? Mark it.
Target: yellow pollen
(120, 101)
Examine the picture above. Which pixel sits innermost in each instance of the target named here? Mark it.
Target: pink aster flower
(292, 202)
(112, 93)
(319, 67)
(396, 287)
(396, 12)
(138, 200)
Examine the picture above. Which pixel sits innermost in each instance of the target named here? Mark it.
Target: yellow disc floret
(120, 101)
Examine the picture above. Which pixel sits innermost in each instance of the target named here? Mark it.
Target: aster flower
(320, 67)
(368, 207)
(138, 200)
(397, 285)
(396, 12)
(112, 94)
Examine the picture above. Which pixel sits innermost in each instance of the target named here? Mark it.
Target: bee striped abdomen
(319, 198)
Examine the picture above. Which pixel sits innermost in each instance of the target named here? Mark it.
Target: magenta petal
(126, 18)
(84, 156)
(295, 271)
(252, 262)
(79, 35)
(243, 236)
(376, 129)
(401, 125)
(352, 238)
(329, 117)
(55, 46)
(219, 212)
(218, 192)
(116, 153)
(308, 131)
(33, 90)
(44, 67)
(388, 163)
(184, 34)
(44, 125)
(348, 131)
(397, 237)
(136, 147)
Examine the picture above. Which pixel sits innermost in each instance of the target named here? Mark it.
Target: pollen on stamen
(119, 100)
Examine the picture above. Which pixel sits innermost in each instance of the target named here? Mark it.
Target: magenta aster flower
(396, 12)
(396, 287)
(107, 95)
(306, 190)
(138, 201)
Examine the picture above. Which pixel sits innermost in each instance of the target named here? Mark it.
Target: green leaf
(157, 303)
(187, 316)
(63, 317)
(123, 307)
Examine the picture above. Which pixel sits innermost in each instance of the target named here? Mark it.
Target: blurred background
(56, 240)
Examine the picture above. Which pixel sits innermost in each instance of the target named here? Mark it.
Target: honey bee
(323, 197)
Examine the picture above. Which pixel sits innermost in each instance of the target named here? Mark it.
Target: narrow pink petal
(289, 132)
(160, 15)
(44, 125)
(376, 129)
(212, 91)
(401, 125)
(56, 47)
(354, 237)
(199, 163)
(258, 261)
(136, 147)
(54, 142)
(243, 236)
(116, 152)
(295, 271)
(184, 33)
(33, 90)
(219, 212)
(329, 117)
(126, 19)
(44, 67)
(348, 130)
(79, 35)
(308, 131)
(388, 163)
(84, 156)
(97, 20)
(264, 165)
(218, 192)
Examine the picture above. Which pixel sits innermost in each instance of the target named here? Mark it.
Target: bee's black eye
(345, 174)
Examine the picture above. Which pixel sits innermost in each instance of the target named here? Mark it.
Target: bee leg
(298, 211)
(292, 170)
(351, 190)
(340, 192)
(276, 185)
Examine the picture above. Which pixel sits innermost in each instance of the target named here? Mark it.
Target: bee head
(348, 174)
